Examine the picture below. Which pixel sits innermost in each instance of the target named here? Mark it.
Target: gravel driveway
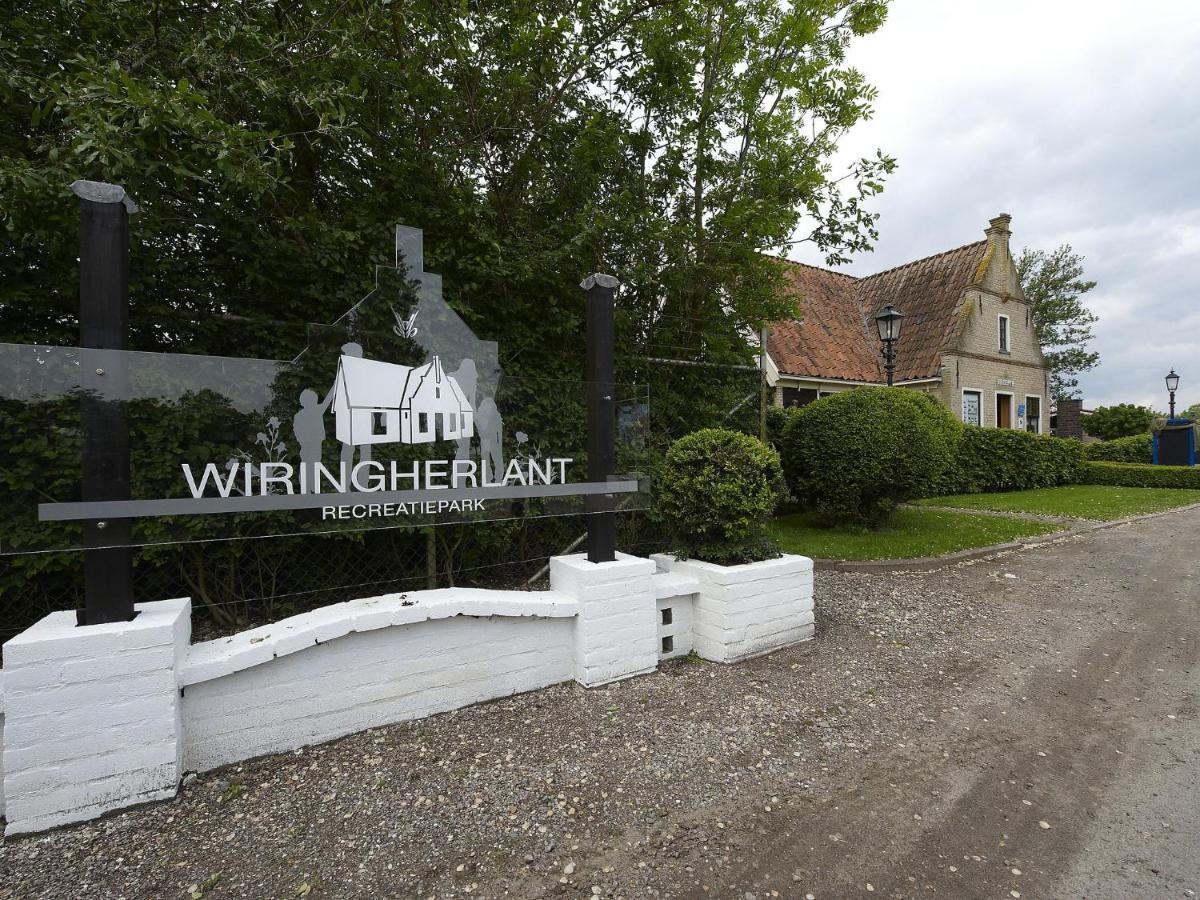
(1024, 725)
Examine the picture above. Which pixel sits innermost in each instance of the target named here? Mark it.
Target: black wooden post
(601, 520)
(103, 325)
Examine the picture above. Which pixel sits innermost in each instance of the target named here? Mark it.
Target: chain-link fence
(238, 583)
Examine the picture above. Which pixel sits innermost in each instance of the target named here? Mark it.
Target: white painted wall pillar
(745, 611)
(91, 715)
(615, 629)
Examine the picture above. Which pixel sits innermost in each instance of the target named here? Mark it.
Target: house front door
(1004, 411)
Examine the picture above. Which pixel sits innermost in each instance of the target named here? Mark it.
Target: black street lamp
(1172, 386)
(888, 320)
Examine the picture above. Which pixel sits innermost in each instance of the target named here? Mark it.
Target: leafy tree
(272, 145)
(1192, 412)
(1123, 420)
(1054, 285)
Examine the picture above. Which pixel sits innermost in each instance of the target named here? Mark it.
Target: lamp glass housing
(889, 321)
(1172, 382)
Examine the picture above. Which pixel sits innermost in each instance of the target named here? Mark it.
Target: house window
(1033, 415)
(972, 403)
(798, 396)
(1004, 334)
(379, 423)
(422, 423)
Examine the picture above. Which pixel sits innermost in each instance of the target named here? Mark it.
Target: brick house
(968, 337)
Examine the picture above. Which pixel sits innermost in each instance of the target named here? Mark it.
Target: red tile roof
(836, 337)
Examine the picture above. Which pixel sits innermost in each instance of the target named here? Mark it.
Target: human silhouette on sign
(490, 426)
(466, 378)
(308, 425)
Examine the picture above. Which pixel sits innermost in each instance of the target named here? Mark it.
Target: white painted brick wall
(366, 679)
(748, 610)
(91, 715)
(615, 629)
(679, 629)
(1, 742)
(91, 719)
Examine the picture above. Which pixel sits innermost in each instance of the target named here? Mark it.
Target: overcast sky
(1082, 120)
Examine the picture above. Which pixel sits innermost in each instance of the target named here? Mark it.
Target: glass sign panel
(395, 415)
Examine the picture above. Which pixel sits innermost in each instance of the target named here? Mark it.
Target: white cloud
(1081, 119)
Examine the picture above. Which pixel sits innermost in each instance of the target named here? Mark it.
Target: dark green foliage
(716, 492)
(272, 147)
(1003, 459)
(777, 420)
(1123, 420)
(853, 456)
(1129, 475)
(1137, 448)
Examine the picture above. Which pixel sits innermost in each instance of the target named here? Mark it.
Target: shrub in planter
(1002, 459)
(1131, 475)
(716, 490)
(854, 455)
(1137, 448)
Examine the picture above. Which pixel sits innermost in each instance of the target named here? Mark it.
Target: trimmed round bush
(852, 457)
(716, 491)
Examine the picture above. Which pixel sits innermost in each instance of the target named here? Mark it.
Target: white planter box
(748, 610)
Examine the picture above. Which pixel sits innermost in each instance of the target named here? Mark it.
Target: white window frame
(971, 390)
(1041, 412)
(1004, 333)
(1012, 408)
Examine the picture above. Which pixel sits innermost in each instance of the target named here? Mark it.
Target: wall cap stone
(224, 656)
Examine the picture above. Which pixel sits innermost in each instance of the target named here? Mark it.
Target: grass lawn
(913, 532)
(1083, 501)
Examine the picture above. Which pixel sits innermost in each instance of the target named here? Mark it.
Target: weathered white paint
(674, 598)
(369, 678)
(92, 715)
(106, 716)
(747, 610)
(615, 631)
(1, 741)
(247, 649)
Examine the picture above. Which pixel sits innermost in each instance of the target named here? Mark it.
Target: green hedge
(1003, 459)
(853, 456)
(1137, 448)
(716, 491)
(1131, 475)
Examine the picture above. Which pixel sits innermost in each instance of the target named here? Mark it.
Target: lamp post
(1172, 387)
(888, 320)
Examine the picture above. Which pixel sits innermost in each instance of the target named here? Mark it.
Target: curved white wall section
(102, 717)
(366, 679)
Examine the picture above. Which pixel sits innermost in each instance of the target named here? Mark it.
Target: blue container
(1175, 446)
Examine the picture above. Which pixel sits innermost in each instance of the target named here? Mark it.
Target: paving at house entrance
(1024, 725)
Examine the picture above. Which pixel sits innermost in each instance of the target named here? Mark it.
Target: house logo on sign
(384, 403)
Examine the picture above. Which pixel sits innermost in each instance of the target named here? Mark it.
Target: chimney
(998, 227)
(1000, 274)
